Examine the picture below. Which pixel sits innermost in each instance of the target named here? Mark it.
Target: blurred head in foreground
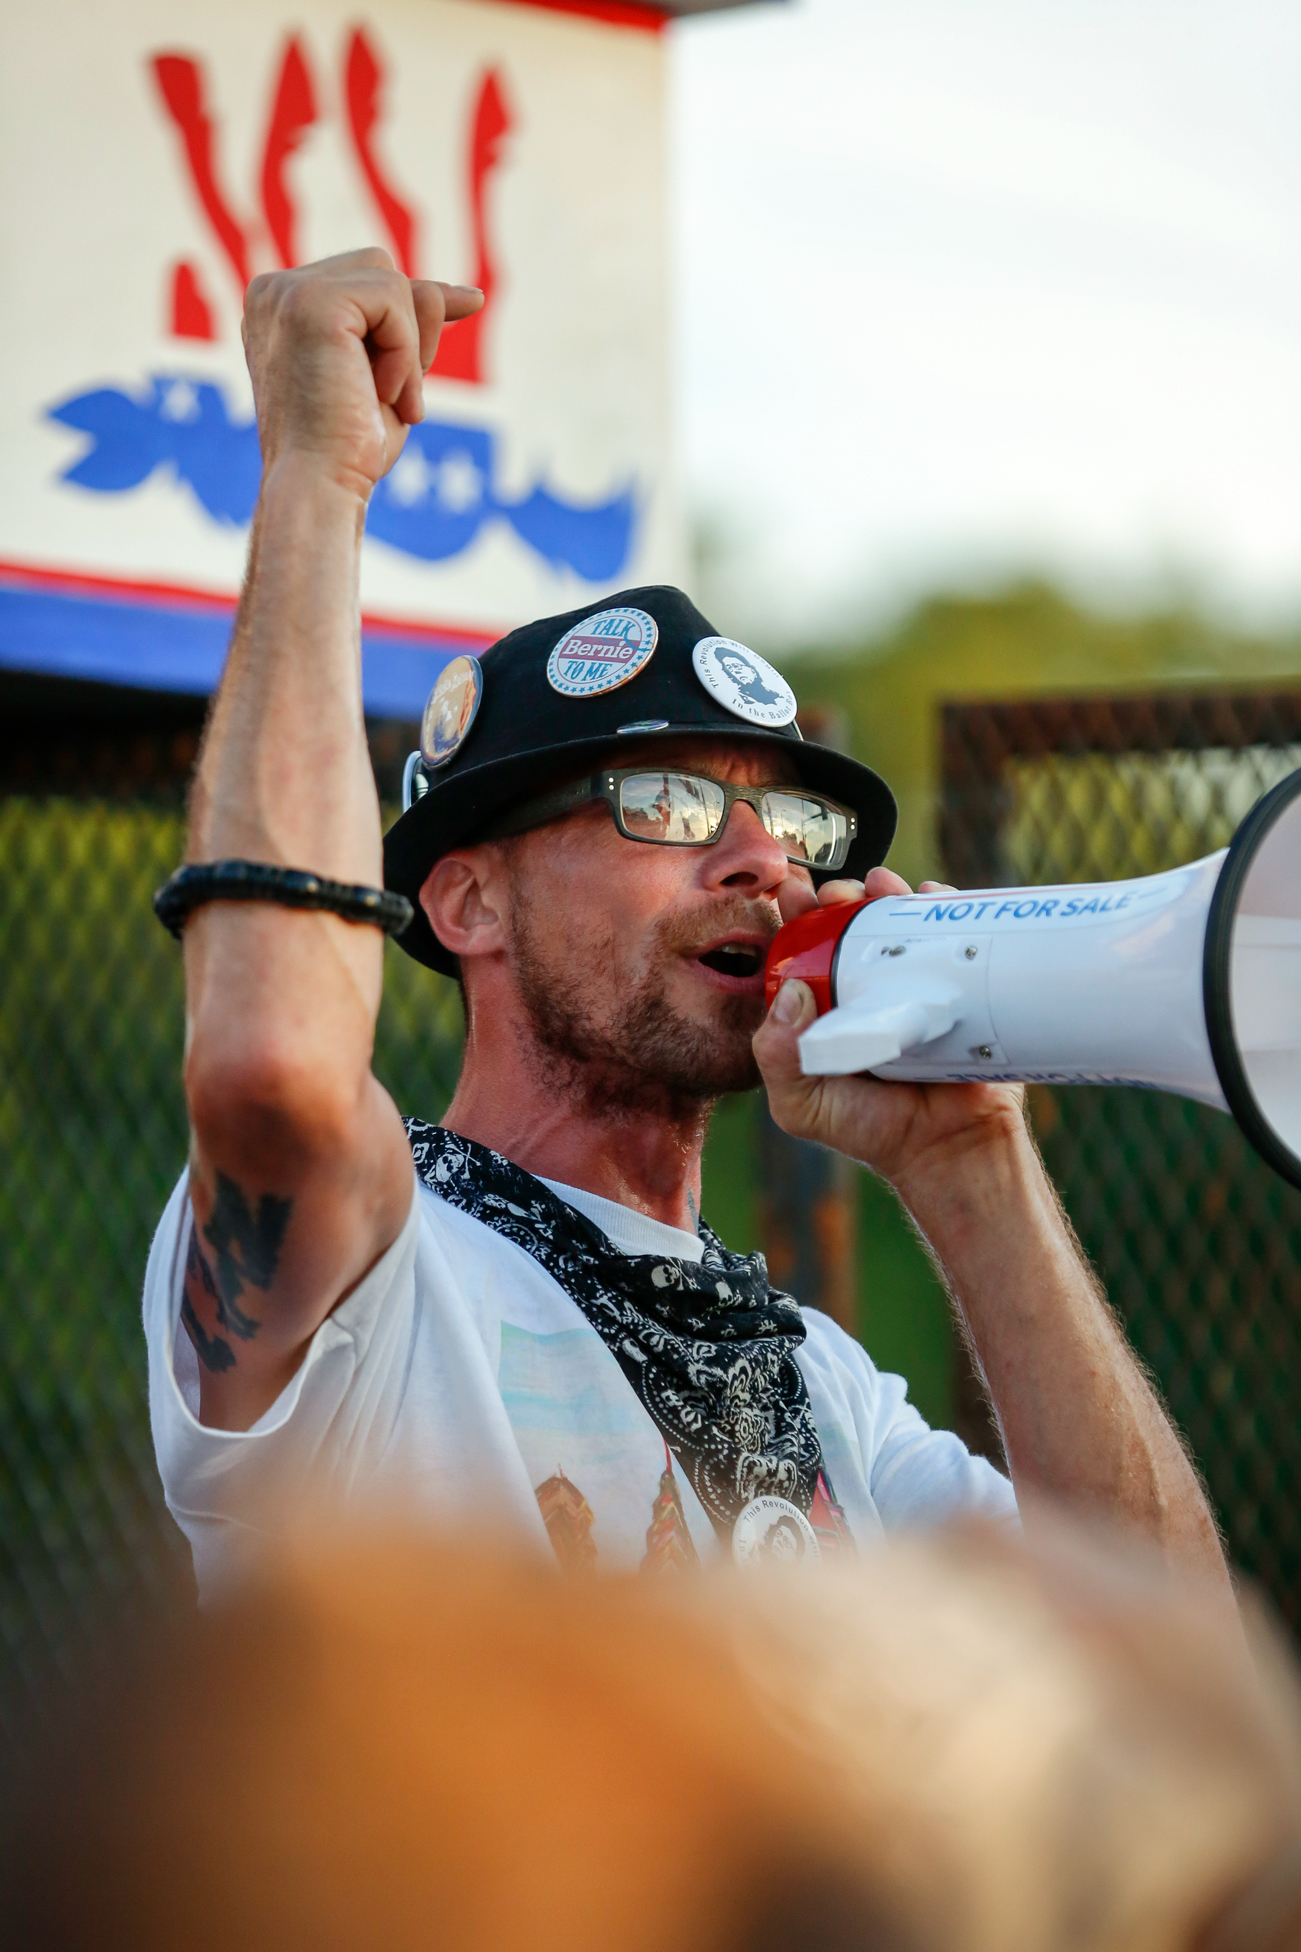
(404, 1743)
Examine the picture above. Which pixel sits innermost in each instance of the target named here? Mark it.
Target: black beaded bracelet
(190, 887)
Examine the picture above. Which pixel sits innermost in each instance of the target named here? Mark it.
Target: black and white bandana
(709, 1349)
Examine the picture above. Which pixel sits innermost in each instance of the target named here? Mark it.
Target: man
(519, 1318)
(747, 680)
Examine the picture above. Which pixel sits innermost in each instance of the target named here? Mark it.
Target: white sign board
(154, 158)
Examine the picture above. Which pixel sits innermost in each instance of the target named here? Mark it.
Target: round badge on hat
(602, 653)
(743, 682)
(450, 710)
(774, 1532)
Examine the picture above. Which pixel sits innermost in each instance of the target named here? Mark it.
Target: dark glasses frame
(607, 784)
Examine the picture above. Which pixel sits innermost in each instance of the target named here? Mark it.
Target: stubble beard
(641, 1058)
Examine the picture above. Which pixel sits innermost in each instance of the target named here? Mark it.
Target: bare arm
(300, 1175)
(1080, 1423)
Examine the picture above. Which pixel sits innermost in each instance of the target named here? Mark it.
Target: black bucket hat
(527, 733)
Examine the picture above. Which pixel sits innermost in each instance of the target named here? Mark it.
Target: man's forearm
(284, 774)
(1079, 1420)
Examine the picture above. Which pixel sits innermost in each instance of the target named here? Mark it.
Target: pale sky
(966, 287)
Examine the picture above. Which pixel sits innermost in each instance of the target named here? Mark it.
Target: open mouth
(740, 959)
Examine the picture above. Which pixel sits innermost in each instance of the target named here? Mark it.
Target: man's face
(739, 671)
(639, 969)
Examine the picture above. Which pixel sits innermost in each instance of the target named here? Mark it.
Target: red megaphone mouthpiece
(806, 949)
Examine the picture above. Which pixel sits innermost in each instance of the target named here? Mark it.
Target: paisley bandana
(709, 1349)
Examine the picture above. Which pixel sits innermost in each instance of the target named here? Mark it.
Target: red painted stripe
(181, 83)
(176, 596)
(473, 640)
(620, 13)
(293, 115)
(74, 583)
(364, 85)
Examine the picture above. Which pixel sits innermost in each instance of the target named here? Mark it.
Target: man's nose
(745, 855)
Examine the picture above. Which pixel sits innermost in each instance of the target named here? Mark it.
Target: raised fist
(337, 352)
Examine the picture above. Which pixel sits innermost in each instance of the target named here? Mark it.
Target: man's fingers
(832, 892)
(404, 338)
(795, 896)
(438, 305)
(792, 1004)
(463, 301)
(936, 888)
(777, 1053)
(393, 342)
(884, 881)
(371, 257)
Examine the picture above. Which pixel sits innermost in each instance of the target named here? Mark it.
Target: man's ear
(465, 898)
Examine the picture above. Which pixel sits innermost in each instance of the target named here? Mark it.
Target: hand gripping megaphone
(1188, 982)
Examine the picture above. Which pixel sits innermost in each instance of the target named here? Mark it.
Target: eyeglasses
(673, 809)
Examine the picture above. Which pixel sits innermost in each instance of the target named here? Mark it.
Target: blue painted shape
(221, 459)
(176, 421)
(438, 493)
(594, 542)
(432, 505)
(165, 647)
(128, 441)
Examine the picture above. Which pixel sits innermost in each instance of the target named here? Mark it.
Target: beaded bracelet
(190, 887)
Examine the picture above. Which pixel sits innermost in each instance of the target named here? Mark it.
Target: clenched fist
(337, 352)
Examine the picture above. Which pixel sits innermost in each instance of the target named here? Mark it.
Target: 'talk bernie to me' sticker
(602, 653)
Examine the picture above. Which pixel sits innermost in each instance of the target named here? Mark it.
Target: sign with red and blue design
(159, 161)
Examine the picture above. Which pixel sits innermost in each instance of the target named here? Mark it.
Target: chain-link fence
(93, 1135)
(1198, 1241)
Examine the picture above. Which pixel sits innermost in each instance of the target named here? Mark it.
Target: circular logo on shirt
(774, 1532)
(602, 653)
(743, 682)
(450, 710)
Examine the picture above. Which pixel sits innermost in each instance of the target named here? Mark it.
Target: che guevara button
(774, 1532)
(743, 683)
(602, 652)
(450, 710)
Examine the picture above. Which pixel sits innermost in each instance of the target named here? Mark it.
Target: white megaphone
(1187, 982)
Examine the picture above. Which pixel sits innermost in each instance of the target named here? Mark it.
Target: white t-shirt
(459, 1379)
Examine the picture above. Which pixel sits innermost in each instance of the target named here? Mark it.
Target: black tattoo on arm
(247, 1246)
(213, 1352)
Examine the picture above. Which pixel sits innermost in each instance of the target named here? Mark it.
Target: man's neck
(643, 1159)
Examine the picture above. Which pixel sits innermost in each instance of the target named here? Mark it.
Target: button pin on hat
(602, 652)
(450, 711)
(743, 683)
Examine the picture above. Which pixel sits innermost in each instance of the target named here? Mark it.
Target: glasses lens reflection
(675, 808)
(683, 810)
(806, 830)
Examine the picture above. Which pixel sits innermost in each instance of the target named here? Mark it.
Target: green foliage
(1028, 641)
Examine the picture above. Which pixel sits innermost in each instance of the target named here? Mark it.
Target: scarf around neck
(708, 1348)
